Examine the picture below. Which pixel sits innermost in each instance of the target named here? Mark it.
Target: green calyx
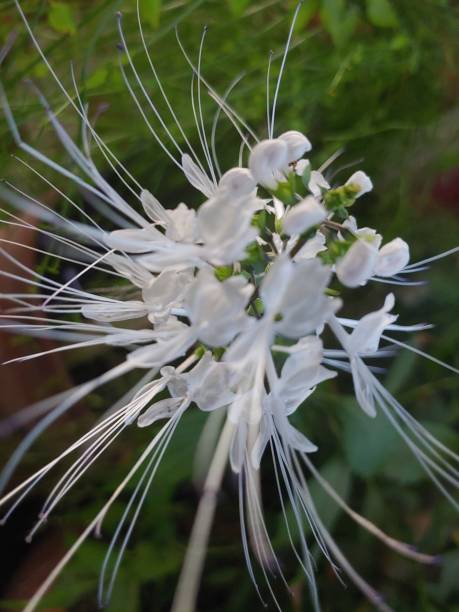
(341, 198)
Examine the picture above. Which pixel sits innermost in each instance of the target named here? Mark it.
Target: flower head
(223, 307)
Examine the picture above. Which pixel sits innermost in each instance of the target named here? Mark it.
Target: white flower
(293, 295)
(237, 182)
(166, 291)
(268, 162)
(358, 264)
(300, 374)
(225, 228)
(197, 177)
(317, 184)
(206, 385)
(361, 182)
(364, 339)
(302, 166)
(303, 216)
(179, 223)
(134, 240)
(217, 309)
(114, 311)
(392, 258)
(297, 145)
(312, 247)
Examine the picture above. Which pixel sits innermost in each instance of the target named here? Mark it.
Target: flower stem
(188, 584)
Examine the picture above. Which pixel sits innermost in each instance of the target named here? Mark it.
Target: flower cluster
(224, 308)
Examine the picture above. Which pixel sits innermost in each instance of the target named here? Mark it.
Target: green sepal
(306, 177)
(285, 192)
(341, 214)
(260, 220)
(218, 352)
(335, 250)
(255, 258)
(223, 272)
(259, 306)
(200, 350)
(341, 197)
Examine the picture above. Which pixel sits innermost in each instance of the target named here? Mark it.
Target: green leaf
(339, 20)
(338, 476)
(381, 14)
(150, 11)
(62, 18)
(368, 442)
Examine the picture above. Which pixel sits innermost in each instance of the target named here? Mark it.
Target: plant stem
(188, 584)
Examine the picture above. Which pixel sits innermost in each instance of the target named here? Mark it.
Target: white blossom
(268, 162)
(303, 216)
(392, 258)
(361, 182)
(358, 264)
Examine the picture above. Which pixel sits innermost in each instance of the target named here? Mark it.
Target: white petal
(134, 240)
(303, 216)
(275, 283)
(163, 351)
(363, 388)
(297, 144)
(302, 166)
(114, 311)
(237, 182)
(261, 442)
(317, 183)
(292, 436)
(268, 162)
(358, 264)
(392, 258)
(182, 224)
(153, 208)
(164, 409)
(365, 338)
(217, 309)
(137, 274)
(197, 177)
(361, 181)
(312, 247)
(238, 447)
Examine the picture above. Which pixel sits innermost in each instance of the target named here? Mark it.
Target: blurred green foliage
(377, 78)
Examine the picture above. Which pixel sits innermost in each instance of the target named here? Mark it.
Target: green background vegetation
(377, 78)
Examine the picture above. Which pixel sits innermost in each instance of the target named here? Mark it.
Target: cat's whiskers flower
(214, 296)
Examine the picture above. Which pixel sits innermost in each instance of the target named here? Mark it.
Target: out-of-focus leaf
(339, 19)
(150, 11)
(400, 370)
(98, 78)
(61, 18)
(338, 475)
(382, 14)
(448, 582)
(237, 7)
(368, 442)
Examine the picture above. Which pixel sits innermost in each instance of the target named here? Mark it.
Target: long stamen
(268, 95)
(281, 71)
(161, 88)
